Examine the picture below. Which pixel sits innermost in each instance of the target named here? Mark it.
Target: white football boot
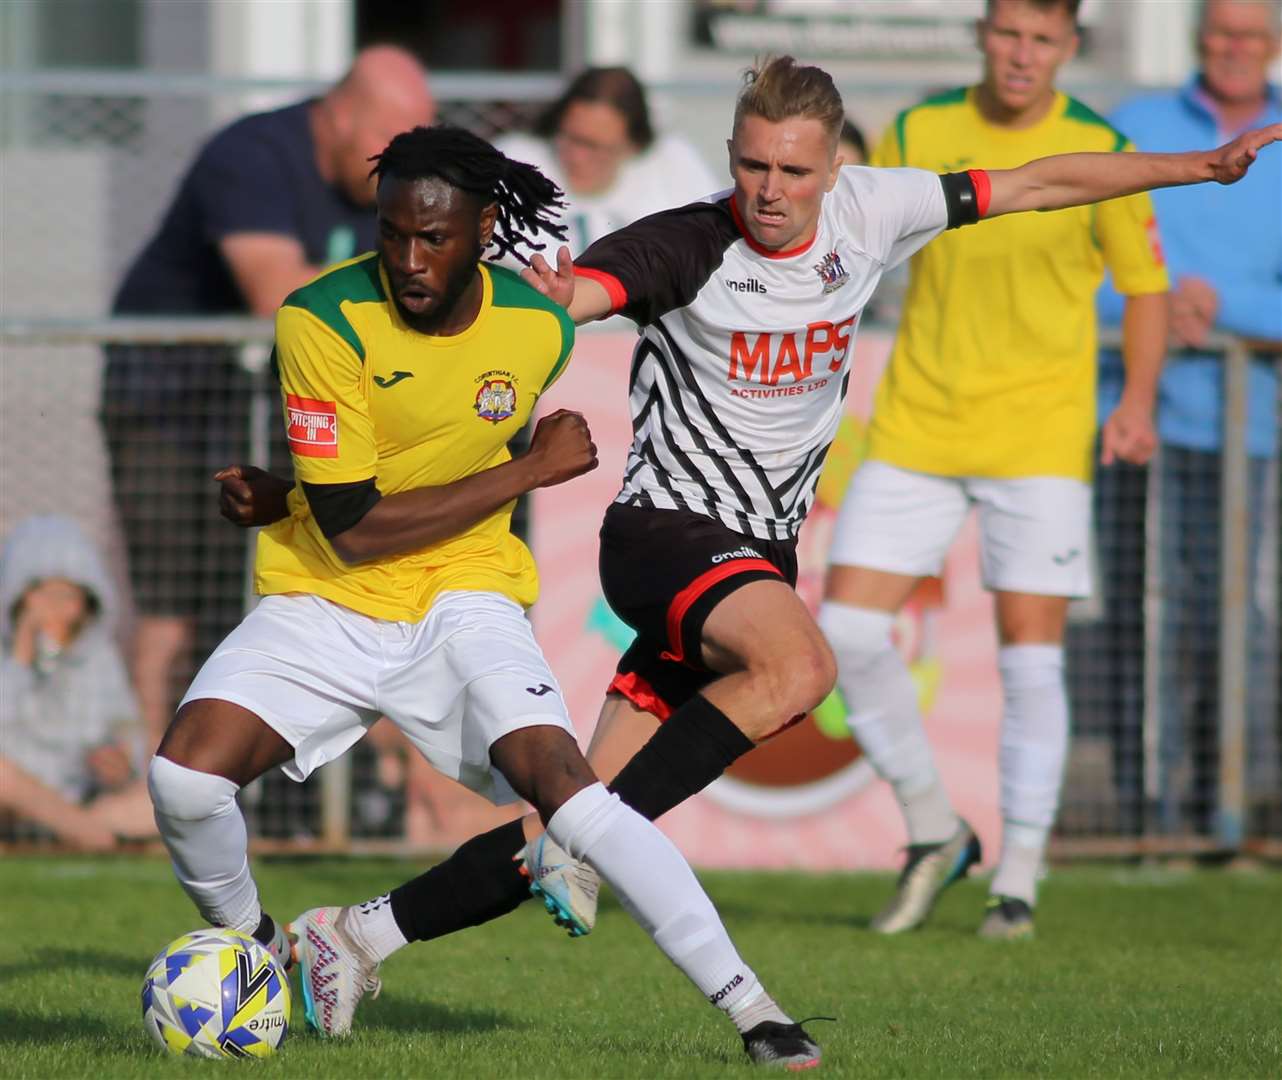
(335, 972)
(568, 888)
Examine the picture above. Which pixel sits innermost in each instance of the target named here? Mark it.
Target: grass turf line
(1133, 974)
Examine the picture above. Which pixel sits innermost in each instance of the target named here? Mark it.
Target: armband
(337, 507)
(966, 196)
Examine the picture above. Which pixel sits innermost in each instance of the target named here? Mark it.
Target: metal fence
(1172, 666)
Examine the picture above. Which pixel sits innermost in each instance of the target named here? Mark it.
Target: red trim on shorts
(611, 284)
(682, 602)
(766, 252)
(983, 189)
(640, 693)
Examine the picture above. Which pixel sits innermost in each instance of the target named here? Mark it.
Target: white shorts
(1035, 532)
(321, 674)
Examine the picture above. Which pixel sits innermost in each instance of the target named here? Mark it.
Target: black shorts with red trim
(663, 571)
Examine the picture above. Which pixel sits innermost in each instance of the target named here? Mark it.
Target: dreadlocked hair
(528, 202)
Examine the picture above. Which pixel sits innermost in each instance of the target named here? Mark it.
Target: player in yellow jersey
(766, 653)
(989, 401)
(393, 586)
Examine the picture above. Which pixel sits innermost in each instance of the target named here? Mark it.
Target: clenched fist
(251, 496)
(562, 448)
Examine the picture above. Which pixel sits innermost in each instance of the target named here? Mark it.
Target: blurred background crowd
(170, 172)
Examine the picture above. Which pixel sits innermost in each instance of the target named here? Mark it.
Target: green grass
(1134, 973)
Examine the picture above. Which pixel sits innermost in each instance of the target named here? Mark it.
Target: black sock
(694, 746)
(266, 931)
(479, 882)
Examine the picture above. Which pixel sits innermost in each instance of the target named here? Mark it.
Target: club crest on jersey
(831, 272)
(496, 398)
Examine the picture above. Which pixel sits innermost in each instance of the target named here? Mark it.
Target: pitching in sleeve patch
(312, 426)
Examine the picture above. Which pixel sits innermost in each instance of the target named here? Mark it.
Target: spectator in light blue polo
(1225, 259)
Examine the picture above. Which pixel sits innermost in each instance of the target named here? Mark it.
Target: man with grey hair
(1225, 262)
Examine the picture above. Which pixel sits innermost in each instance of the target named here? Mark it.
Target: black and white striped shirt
(739, 378)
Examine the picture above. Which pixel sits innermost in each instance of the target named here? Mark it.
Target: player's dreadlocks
(527, 200)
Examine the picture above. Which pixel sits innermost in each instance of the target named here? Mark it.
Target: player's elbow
(352, 547)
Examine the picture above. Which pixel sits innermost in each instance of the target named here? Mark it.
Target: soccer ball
(216, 993)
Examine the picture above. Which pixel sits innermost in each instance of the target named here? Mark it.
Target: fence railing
(54, 368)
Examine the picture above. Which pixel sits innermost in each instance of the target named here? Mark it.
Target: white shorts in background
(320, 674)
(1035, 532)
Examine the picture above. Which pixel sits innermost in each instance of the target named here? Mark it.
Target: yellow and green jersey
(993, 369)
(366, 396)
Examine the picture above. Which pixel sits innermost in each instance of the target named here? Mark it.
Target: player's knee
(543, 765)
(858, 635)
(183, 794)
(585, 820)
(796, 683)
(1030, 667)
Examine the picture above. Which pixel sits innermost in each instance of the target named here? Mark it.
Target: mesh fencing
(122, 428)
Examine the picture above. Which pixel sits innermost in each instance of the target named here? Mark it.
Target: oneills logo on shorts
(312, 426)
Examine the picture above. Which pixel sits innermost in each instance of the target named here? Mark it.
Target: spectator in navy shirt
(269, 201)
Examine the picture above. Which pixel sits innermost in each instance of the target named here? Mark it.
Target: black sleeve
(961, 199)
(659, 263)
(337, 507)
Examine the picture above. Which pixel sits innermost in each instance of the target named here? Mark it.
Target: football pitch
(1135, 973)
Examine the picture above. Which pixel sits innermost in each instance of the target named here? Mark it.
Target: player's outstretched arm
(1052, 183)
(560, 449)
(583, 298)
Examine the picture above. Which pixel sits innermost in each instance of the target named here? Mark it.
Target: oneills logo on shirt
(312, 426)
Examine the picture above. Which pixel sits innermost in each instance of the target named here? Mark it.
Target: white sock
(1034, 748)
(1023, 847)
(375, 929)
(884, 717)
(657, 888)
(205, 832)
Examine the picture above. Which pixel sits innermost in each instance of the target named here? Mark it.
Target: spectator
(596, 141)
(1225, 261)
(852, 147)
(72, 746)
(269, 201)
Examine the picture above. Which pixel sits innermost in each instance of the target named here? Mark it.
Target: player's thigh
(220, 737)
(898, 522)
(1035, 535)
(469, 674)
(762, 625)
(863, 587)
(664, 571)
(543, 765)
(1030, 618)
(304, 668)
(622, 728)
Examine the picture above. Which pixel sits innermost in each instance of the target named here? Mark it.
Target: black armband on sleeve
(961, 198)
(337, 507)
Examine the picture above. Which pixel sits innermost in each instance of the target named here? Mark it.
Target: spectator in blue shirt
(1225, 261)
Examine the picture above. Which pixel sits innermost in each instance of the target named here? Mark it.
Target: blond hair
(779, 88)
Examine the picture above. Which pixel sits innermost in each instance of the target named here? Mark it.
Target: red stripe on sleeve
(983, 189)
(611, 284)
